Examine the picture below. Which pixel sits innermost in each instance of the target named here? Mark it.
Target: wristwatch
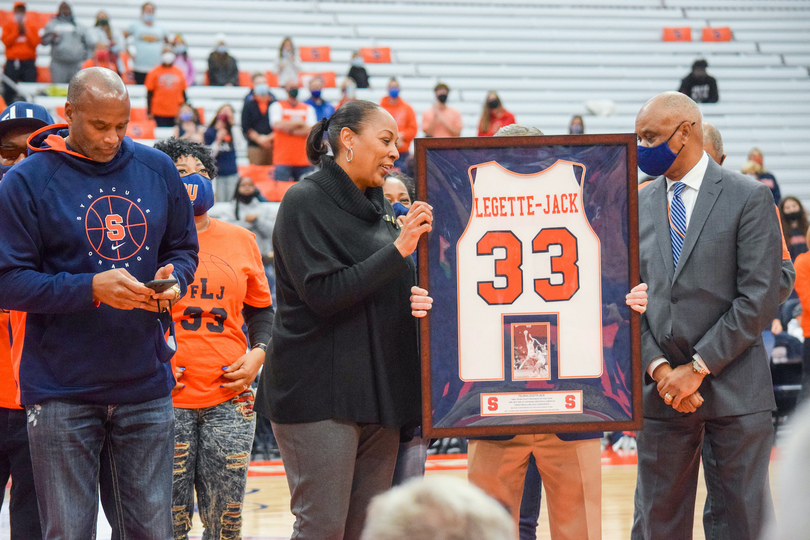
(261, 346)
(697, 368)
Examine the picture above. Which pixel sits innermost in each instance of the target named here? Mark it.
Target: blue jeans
(70, 440)
(286, 173)
(15, 461)
(211, 453)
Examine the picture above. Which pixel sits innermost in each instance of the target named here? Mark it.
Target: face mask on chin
(656, 160)
(247, 199)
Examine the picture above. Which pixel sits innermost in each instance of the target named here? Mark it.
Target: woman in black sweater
(342, 377)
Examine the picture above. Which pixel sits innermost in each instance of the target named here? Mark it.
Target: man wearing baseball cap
(17, 123)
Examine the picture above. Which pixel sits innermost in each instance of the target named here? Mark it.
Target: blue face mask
(316, 94)
(399, 209)
(148, 17)
(656, 160)
(393, 92)
(261, 90)
(200, 191)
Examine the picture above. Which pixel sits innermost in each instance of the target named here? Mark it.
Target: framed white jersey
(533, 248)
(528, 249)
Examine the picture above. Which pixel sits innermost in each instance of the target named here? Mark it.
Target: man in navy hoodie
(86, 220)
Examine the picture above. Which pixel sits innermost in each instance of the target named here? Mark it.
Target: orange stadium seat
(329, 78)
(60, 111)
(376, 55)
(144, 129)
(43, 74)
(138, 114)
(262, 176)
(244, 79)
(272, 79)
(717, 34)
(315, 54)
(683, 33)
(280, 189)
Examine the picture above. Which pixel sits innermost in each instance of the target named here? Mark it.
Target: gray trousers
(334, 468)
(669, 454)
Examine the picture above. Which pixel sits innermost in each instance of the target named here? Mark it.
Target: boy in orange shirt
(165, 91)
(213, 401)
(291, 121)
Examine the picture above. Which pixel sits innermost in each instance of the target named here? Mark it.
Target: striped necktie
(677, 221)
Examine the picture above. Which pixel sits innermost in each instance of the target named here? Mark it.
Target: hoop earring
(350, 155)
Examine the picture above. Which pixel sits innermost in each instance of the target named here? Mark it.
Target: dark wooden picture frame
(561, 393)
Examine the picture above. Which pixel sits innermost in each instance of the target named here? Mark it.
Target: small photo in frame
(531, 351)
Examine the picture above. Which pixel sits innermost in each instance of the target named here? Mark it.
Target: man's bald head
(97, 113)
(518, 130)
(673, 119)
(713, 143)
(97, 82)
(673, 105)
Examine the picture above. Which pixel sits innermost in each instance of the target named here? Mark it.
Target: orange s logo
(570, 402)
(115, 231)
(492, 404)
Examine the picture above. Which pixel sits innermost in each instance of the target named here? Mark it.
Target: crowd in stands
(277, 128)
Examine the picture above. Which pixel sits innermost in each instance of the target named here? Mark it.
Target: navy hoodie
(65, 218)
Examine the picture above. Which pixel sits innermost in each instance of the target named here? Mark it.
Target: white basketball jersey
(528, 249)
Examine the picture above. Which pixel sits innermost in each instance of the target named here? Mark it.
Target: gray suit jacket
(723, 294)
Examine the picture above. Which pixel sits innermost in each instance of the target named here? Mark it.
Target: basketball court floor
(267, 513)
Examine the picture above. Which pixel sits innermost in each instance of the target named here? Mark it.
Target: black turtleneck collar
(368, 206)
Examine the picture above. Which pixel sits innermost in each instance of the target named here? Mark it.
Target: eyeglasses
(11, 152)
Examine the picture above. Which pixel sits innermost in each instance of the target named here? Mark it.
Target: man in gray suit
(710, 251)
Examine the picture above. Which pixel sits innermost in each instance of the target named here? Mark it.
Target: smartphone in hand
(160, 285)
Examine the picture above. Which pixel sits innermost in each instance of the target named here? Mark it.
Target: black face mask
(493, 103)
(246, 199)
(794, 216)
(442, 98)
(293, 93)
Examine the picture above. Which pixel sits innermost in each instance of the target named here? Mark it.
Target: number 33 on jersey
(528, 250)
